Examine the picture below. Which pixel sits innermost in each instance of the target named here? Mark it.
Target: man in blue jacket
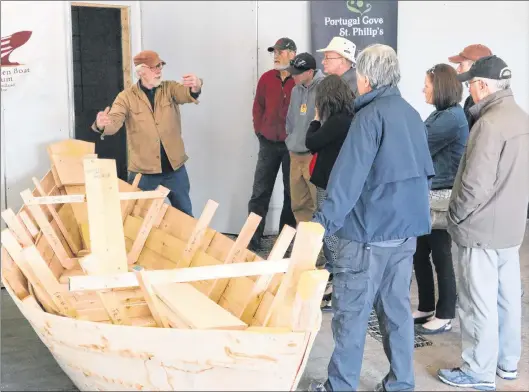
(377, 205)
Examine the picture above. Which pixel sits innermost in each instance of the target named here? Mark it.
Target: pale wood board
(107, 239)
(196, 309)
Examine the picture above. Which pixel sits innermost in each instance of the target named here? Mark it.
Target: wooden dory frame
(279, 298)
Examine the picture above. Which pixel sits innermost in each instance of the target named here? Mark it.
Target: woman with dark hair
(447, 129)
(325, 136)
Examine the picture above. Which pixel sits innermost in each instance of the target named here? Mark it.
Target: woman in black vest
(325, 136)
(447, 129)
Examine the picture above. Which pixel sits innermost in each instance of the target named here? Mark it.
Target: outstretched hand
(103, 119)
(190, 80)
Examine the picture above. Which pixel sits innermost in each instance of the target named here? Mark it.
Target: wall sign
(11, 67)
(362, 22)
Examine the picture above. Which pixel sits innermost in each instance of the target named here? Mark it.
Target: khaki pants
(302, 191)
(490, 310)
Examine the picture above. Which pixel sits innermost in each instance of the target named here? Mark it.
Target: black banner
(362, 22)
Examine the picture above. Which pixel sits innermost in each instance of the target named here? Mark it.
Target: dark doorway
(98, 76)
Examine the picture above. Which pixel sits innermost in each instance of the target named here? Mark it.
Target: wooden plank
(79, 209)
(115, 309)
(80, 198)
(195, 308)
(14, 249)
(161, 215)
(98, 5)
(56, 177)
(193, 244)
(30, 226)
(146, 226)
(107, 239)
(63, 254)
(307, 246)
(13, 275)
(48, 281)
(172, 319)
(129, 205)
(240, 245)
(307, 303)
(90, 265)
(85, 235)
(71, 147)
(70, 168)
(126, 47)
(150, 297)
(19, 230)
(180, 275)
(57, 218)
(278, 252)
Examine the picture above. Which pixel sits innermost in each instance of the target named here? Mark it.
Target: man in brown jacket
(487, 219)
(151, 113)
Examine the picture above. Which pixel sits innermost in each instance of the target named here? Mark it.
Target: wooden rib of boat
(128, 293)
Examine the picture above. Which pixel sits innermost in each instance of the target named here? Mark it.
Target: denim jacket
(378, 187)
(447, 136)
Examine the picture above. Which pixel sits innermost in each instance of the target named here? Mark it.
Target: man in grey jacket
(487, 219)
(301, 112)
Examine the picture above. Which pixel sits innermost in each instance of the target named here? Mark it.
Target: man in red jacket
(269, 116)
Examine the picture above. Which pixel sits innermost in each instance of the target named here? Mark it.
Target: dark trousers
(177, 182)
(271, 156)
(366, 275)
(439, 245)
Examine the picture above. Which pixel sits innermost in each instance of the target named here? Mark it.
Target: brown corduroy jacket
(146, 130)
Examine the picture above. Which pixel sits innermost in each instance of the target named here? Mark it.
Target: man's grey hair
(496, 85)
(379, 63)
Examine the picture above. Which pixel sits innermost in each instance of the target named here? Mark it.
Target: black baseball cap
(490, 67)
(301, 63)
(282, 44)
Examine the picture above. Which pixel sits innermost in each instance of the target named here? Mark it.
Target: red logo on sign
(12, 42)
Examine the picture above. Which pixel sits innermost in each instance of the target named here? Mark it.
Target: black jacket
(327, 141)
(469, 102)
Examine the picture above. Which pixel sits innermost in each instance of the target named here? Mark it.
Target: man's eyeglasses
(331, 58)
(158, 66)
(467, 84)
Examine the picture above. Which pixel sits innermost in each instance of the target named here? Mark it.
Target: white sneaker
(507, 374)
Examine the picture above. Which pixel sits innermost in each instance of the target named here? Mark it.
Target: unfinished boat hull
(106, 357)
(129, 293)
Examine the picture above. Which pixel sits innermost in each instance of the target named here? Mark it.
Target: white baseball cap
(342, 46)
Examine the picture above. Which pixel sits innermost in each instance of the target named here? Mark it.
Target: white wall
(218, 132)
(39, 109)
(36, 108)
(431, 31)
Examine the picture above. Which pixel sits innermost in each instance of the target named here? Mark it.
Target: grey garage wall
(199, 37)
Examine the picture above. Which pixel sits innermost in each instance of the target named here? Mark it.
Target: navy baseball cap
(301, 63)
(283, 44)
(490, 67)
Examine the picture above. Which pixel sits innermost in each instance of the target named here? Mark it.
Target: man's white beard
(280, 67)
(157, 82)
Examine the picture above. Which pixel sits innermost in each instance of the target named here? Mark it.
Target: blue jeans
(363, 275)
(177, 182)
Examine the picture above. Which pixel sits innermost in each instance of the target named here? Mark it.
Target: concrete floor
(27, 365)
